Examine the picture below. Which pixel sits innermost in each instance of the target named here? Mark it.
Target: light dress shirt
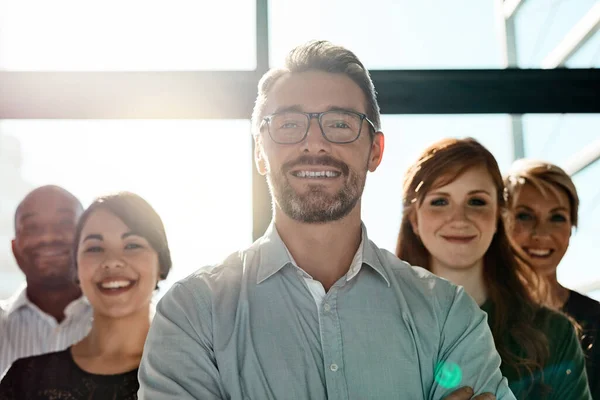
(25, 330)
(252, 328)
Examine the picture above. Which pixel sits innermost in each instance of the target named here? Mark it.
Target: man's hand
(465, 393)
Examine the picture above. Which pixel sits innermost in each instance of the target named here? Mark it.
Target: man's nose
(51, 234)
(315, 142)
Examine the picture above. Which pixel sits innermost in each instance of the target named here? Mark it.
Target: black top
(586, 312)
(57, 376)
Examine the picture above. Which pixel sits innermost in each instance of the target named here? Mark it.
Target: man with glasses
(313, 309)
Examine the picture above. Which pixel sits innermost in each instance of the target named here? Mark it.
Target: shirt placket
(331, 343)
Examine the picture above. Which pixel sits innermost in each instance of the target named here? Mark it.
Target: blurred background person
(544, 205)
(121, 254)
(49, 314)
(452, 225)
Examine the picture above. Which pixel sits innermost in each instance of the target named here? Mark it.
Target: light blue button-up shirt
(249, 328)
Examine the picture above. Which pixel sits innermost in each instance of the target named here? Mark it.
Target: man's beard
(316, 205)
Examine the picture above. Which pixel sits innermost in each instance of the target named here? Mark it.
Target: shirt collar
(274, 255)
(17, 300)
(372, 256)
(20, 300)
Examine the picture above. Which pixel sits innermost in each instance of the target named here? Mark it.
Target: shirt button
(333, 367)
(326, 307)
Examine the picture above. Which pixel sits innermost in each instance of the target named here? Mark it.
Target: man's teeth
(539, 252)
(317, 174)
(50, 252)
(115, 284)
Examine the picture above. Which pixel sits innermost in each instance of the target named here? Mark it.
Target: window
(392, 34)
(133, 35)
(196, 174)
(579, 269)
(559, 139)
(541, 25)
(406, 136)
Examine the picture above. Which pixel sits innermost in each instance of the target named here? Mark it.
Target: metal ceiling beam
(583, 159)
(575, 39)
(506, 91)
(116, 95)
(261, 198)
(231, 95)
(262, 35)
(507, 32)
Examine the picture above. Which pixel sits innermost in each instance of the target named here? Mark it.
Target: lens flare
(448, 375)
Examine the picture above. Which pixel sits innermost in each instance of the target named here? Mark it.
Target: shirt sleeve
(565, 371)
(467, 355)
(178, 360)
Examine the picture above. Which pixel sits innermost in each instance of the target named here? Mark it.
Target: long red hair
(507, 277)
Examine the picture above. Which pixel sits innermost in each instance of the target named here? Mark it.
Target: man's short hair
(44, 189)
(319, 56)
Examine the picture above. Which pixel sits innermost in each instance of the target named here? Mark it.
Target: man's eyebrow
(292, 108)
(298, 108)
(336, 108)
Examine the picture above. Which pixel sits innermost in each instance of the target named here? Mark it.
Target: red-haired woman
(452, 225)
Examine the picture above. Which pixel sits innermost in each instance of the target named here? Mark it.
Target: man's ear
(16, 253)
(376, 154)
(259, 155)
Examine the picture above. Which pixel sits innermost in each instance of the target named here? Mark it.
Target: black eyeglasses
(291, 127)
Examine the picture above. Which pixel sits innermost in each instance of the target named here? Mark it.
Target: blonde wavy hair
(544, 177)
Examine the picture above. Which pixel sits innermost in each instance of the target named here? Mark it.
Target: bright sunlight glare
(175, 35)
(196, 174)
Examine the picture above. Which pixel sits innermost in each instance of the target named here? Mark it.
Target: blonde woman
(543, 205)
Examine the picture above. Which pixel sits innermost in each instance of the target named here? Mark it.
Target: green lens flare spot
(448, 375)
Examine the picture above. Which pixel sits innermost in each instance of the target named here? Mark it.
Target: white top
(316, 288)
(26, 331)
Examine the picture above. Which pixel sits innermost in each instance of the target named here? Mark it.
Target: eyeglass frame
(310, 116)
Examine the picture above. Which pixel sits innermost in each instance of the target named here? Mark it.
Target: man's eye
(339, 125)
(66, 223)
(31, 228)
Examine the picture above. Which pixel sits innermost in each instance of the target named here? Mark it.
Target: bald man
(49, 314)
